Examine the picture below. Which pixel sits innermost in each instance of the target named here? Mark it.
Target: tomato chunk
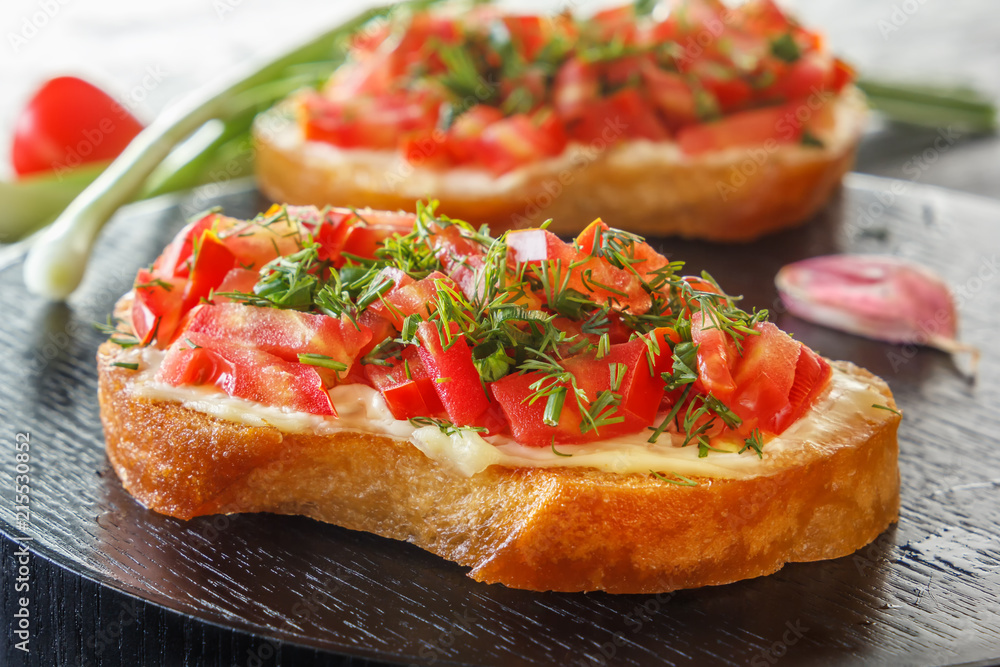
(238, 280)
(456, 379)
(625, 370)
(212, 263)
(254, 243)
(175, 260)
(577, 85)
(811, 375)
(671, 94)
(406, 386)
(641, 390)
(407, 296)
(156, 308)
(717, 354)
(244, 372)
(624, 115)
(368, 230)
(526, 418)
(592, 238)
(283, 333)
(589, 275)
(746, 128)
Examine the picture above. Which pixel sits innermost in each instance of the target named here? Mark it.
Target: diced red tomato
(426, 148)
(592, 276)
(616, 330)
(408, 296)
(463, 137)
(461, 256)
(671, 94)
(623, 115)
(175, 258)
(368, 230)
(766, 375)
(406, 386)
(244, 372)
(641, 390)
(728, 88)
(530, 33)
(156, 308)
(616, 23)
(626, 70)
(237, 280)
(746, 128)
(369, 122)
(577, 86)
(842, 75)
(765, 17)
(641, 393)
(284, 333)
(456, 379)
(255, 243)
(590, 242)
(310, 215)
(717, 354)
(213, 261)
(811, 375)
(380, 327)
(809, 75)
(526, 418)
(514, 141)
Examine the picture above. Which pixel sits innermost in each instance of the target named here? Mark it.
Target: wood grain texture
(923, 593)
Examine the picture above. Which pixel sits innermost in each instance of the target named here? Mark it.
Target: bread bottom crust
(539, 529)
(735, 195)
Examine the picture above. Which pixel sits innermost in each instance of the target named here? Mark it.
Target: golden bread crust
(732, 195)
(539, 529)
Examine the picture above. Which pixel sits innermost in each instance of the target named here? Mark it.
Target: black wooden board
(924, 593)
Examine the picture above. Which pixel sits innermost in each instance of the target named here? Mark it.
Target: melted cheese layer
(846, 402)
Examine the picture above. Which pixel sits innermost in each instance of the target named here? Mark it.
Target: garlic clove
(877, 296)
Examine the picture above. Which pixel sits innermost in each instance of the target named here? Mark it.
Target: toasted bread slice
(538, 528)
(737, 194)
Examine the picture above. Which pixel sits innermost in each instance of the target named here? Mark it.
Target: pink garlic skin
(877, 296)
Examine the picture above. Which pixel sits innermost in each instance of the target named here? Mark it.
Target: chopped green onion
(323, 361)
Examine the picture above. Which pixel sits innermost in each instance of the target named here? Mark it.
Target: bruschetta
(692, 119)
(554, 415)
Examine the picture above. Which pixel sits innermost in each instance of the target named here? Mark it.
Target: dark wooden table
(76, 621)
